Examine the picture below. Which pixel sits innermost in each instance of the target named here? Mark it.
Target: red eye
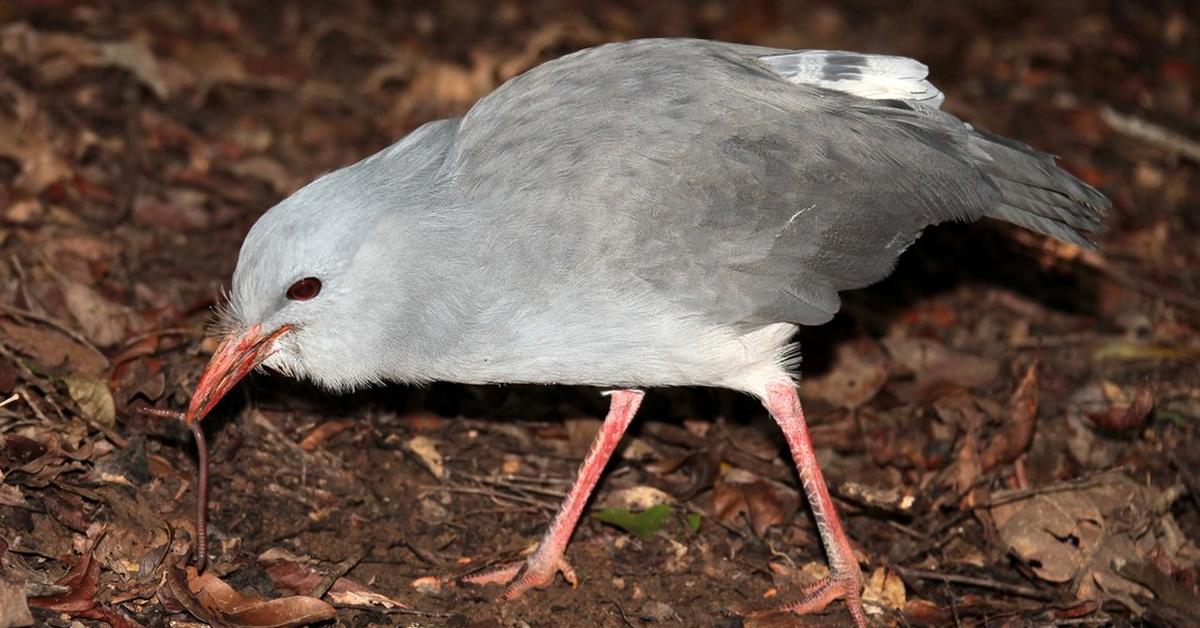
(304, 289)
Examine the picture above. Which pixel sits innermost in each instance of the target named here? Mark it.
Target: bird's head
(302, 295)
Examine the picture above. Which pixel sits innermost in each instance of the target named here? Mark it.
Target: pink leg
(845, 579)
(539, 570)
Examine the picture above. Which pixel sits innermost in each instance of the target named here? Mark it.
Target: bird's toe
(847, 586)
(524, 575)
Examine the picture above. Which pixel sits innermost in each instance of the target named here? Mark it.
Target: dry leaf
(426, 452)
(82, 582)
(1083, 533)
(52, 349)
(12, 496)
(581, 432)
(885, 588)
(93, 397)
(24, 138)
(268, 170)
(932, 363)
(765, 503)
(324, 432)
(858, 373)
(61, 55)
(1123, 410)
(1097, 412)
(40, 163)
(636, 498)
(1013, 437)
(289, 572)
(103, 322)
(209, 599)
(14, 610)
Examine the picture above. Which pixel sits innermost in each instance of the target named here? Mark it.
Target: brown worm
(200, 549)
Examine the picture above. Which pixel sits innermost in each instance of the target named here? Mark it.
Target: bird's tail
(1037, 194)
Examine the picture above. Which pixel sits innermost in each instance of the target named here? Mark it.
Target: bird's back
(736, 181)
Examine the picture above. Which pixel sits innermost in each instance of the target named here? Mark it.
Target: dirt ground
(1011, 426)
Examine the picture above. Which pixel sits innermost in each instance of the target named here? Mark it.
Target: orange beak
(234, 359)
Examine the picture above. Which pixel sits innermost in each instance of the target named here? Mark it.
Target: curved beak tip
(236, 357)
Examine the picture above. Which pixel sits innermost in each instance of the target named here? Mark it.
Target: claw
(847, 586)
(524, 575)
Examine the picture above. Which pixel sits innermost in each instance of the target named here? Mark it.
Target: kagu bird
(641, 214)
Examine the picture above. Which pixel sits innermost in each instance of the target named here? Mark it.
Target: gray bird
(640, 214)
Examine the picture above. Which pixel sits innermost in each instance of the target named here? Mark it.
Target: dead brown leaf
(1122, 412)
(25, 138)
(12, 496)
(324, 432)
(103, 322)
(858, 373)
(210, 599)
(1014, 435)
(765, 503)
(932, 363)
(268, 170)
(92, 396)
(292, 573)
(885, 588)
(968, 415)
(1097, 413)
(14, 609)
(1084, 532)
(52, 349)
(83, 582)
(425, 450)
(61, 55)
(204, 64)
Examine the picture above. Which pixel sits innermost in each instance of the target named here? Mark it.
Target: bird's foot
(523, 575)
(846, 584)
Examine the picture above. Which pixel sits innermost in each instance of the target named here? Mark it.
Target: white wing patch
(876, 77)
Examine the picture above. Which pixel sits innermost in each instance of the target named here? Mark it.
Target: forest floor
(1011, 426)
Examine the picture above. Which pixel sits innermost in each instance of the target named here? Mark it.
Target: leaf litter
(968, 418)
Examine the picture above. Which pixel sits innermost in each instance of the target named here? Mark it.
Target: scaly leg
(539, 570)
(845, 578)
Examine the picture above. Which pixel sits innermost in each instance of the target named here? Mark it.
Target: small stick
(339, 571)
(200, 549)
(1151, 133)
(986, 583)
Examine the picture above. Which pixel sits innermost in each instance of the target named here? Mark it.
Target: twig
(132, 155)
(169, 331)
(496, 495)
(621, 612)
(425, 556)
(985, 583)
(120, 442)
(1151, 133)
(517, 488)
(339, 571)
(1145, 286)
(24, 392)
(1087, 481)
(391, 611)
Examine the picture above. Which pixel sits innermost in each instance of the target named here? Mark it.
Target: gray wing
(718, 175)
